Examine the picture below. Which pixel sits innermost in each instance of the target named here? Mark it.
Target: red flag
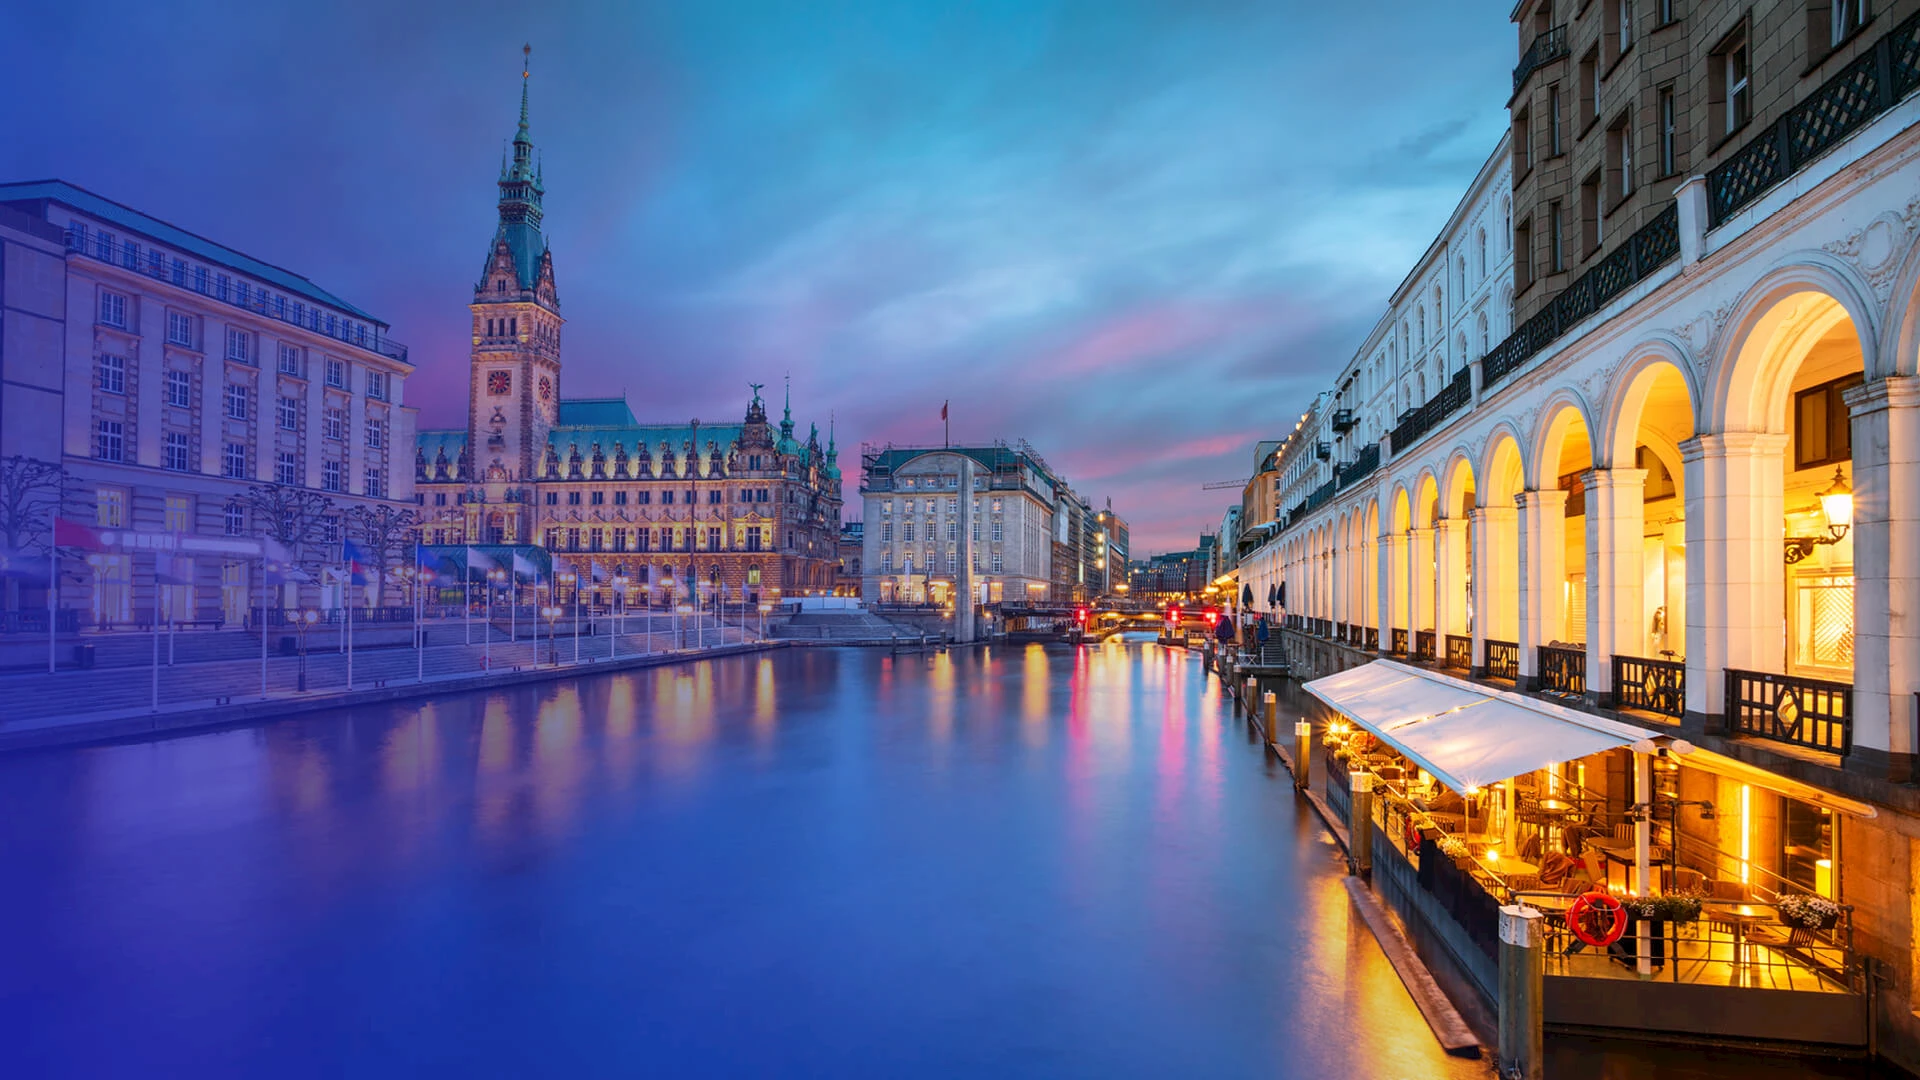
(72, 534)
(943, 410)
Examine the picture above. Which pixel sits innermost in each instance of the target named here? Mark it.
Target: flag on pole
(597, 573)
(524, 565)
(72, 534)
(943, 410)
(356, 561)
(480, 560)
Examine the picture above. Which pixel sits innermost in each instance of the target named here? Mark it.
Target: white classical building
(1687, 484)
(917, 530)
(192, 372)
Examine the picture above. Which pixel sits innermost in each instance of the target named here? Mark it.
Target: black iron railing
(1399, 642)
(34, 621)
(1653, 246)
(1791, 709)
(1658, 686)
(1549, 46)
(1503, 660)
(1451, 399)
(1339, 631)
(1424, 643)
(160, 265)
(1354, 471)
(1320, 496)
(1459, 652)
(1872, 84)
(1342, 419)
(1373, 638)
(1563, 671)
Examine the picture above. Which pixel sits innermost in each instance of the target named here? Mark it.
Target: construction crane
(1222, 485)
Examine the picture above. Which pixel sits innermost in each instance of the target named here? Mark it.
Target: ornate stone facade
(745, 510)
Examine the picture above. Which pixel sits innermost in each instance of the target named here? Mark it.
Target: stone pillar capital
(1725, 444)
(1541, 499)
(1492, 514)
(1892, 392)
(1597, 479)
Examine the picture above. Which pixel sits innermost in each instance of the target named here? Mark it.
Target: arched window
(1480, 244)
(1460, 349)
(1420, 320)
(1460, 285)
(1506, 225)
(1485, 345)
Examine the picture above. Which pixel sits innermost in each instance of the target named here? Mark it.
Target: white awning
(1468, 736)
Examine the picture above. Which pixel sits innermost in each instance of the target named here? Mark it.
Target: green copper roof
(596, 412)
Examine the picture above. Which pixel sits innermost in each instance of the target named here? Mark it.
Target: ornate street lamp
(552, 613)
(1837, 504)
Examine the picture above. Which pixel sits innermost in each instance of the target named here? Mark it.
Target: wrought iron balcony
(1792, 709)
(1343, 419)
(1354, 471)
(1549, 46)
(1875, 81)
(1323, 451)
(1651, 247)
(1418, 421)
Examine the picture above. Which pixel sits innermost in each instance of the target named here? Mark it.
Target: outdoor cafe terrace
(1729, 877)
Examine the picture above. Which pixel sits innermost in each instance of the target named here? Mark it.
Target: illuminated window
(1823, 621)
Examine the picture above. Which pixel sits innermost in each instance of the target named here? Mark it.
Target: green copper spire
(521, 192)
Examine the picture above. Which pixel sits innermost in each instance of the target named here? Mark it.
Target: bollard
(1520, 993)
(1270, 715)
(1360, 824)
(1226, 681)
(1302, 752)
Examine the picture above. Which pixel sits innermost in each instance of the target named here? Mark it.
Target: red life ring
(1597, 918)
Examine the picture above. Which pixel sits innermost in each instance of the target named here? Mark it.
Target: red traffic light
(1080, 615)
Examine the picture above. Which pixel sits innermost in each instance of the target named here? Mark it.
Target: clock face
(546, 388)
(499, 383)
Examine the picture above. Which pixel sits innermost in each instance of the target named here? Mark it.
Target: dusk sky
(1141, 236)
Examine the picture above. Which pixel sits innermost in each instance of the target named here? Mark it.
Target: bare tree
(295, 517)
(383, 530)
(30, 492)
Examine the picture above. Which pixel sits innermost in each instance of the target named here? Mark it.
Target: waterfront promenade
(208, 684)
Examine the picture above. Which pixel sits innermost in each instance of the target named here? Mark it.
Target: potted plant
(1808, 912)
(1456, 849)
(1656, 912)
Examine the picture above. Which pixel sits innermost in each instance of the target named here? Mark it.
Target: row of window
(643, 540)
(176, 455)
(236, 402)
(953, 530)
(995, 564)
(715, 497)
(183, 329)
(952, 506)
(102, 244)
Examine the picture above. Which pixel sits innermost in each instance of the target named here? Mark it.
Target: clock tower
(514, 397)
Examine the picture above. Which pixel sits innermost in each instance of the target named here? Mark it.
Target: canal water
(1033, 861)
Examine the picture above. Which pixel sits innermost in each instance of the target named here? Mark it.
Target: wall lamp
(1837, 504)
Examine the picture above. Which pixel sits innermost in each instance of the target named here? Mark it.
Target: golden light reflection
(942, 687)
(496, 736)
(1033, 701)
(765, 705)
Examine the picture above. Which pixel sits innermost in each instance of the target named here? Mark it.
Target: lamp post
(572, 581)
(763, 621)
(673, 601)
(552, 613)
(306, 618)
(494, 577)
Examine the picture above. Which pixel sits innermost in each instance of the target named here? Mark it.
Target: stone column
(1616, 521)
(1420, 583)
(1736, 577)
(1496, 576)
(1336, 581)
(1450, 579)
(1543, 575)
(1886, 572)
(1393, 602)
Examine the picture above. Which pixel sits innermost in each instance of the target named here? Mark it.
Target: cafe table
(1742, 918)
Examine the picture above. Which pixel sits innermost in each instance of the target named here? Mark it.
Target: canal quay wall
(143, 724)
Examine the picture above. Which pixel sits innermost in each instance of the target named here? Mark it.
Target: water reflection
(1018, 862)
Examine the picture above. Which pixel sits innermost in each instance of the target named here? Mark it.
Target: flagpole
(466, 591)
(53, 593)
(156, 633)
(576, 618)
(419, 617)
(263, 620)
(349, 626)
(513, 602)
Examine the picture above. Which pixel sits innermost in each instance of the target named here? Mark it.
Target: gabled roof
(154, 229)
